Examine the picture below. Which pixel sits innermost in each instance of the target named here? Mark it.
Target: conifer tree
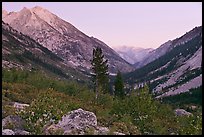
(100, 70)
(119, 85)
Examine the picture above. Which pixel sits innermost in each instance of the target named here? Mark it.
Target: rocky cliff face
(62, 38)
(21, 52)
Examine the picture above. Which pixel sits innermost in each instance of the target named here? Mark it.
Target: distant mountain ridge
(62, 38)
(132, 54)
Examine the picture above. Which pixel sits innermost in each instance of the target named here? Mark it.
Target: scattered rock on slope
(20, 105)
(181, 112)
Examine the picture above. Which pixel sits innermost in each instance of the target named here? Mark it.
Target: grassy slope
(131, 115)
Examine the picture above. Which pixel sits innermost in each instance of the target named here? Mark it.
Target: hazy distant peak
(128, 48)
(132, 54)
(24, 9)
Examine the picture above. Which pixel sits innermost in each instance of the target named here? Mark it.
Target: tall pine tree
(119, 85)
(100, 70)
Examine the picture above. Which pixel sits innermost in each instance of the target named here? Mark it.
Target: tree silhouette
(100, 71)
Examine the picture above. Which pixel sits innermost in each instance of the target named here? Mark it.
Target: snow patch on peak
(24, 9)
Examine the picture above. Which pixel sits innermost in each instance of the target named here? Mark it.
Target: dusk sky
(138, 24)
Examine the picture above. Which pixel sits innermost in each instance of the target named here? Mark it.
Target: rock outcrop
(14, 132)
(13, 125)
(14, 122)
(78, 122)
(75, 122)
(182, 112)
(21, 132)
(78, 119)
(7, 132)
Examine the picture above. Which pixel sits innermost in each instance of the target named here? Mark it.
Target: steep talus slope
(21, 52)
(177, 71)
(62, 38)
(187, 76)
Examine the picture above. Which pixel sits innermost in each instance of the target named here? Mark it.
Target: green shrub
(128, 129)
(49, 105)
(190, 125)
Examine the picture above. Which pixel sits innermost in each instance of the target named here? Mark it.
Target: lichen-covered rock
(13, 122)
(78, 119)
(7, 132)
(21, 132)
(182, 112)
(75, 121)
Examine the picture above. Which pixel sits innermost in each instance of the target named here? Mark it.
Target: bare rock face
(182, 112)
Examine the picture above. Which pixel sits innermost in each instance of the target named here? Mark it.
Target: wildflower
(40, 119)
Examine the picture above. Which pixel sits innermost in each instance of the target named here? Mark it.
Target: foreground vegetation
(137, 113)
